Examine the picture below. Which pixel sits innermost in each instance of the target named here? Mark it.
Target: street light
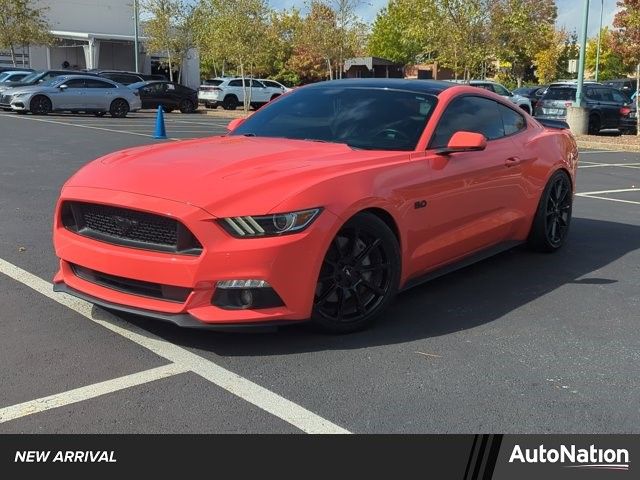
(583, 51)
(135, 34)
(599, 39)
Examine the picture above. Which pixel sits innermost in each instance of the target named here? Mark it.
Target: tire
(274, 96)
(230, 102)
(553, 216)
(100, 114)
(594, 125)
(119, 108)
(40, 105)
(186, 106)
(359, 277)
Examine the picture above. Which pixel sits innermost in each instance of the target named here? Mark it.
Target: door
(171, 98)
(69, 95)
(99, 94)
(475, 199)
(259, 93)
(609, 107)
(152, 95)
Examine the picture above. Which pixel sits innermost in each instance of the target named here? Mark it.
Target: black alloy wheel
(119, 108)
(359, 276)
(594, 125)
(230, 102)
(186, 106)
(551, 225)
(40, 105)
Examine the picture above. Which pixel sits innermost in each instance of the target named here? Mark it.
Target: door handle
(512, 161)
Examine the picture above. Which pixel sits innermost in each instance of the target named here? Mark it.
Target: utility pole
(599, 41)
(136, 46)
(583, 51)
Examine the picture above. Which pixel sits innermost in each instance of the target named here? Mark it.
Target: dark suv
(127, 78)
(609, 108)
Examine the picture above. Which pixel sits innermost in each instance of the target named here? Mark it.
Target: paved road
(521, 342)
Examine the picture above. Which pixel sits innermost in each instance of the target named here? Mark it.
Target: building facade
(95, 34)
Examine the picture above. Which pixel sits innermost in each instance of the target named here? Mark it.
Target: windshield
(367, 118)
(4, 75)
(560, 93)
(32, 77)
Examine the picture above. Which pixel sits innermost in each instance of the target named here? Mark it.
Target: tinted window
(469, 114)
(122, 78)
(256, 84)
(75, 83)
(513, 122)
(270, 84)
(561, 93)
(500, 90)
(98, 84)
(368, 118)
(605, 94)
(620, 97)
(235, 83)
(215, 83)
(486, 86)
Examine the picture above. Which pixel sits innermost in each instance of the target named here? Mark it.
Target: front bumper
(290, 264)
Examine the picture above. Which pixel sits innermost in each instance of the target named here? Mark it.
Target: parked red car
(322, 205)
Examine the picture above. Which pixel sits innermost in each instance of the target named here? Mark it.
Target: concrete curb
(615, 147)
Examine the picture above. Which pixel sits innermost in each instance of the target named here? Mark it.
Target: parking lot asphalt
(521, 342)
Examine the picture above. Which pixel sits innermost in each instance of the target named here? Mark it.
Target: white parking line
(608, 198)
(619, 190)
(91, 391)
(84, 126)
(599, 152)
(261, 397)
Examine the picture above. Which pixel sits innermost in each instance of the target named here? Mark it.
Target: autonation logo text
(574, 457)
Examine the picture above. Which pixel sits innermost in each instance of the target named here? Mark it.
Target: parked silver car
(73, 93)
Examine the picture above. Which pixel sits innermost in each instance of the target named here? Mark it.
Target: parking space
(521, 342)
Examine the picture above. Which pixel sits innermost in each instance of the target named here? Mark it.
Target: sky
(569, 12)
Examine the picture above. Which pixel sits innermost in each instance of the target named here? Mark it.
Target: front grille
(5, 99)
(168, 293)
(131, 228)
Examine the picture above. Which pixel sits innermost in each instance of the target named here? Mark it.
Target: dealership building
(95, 34)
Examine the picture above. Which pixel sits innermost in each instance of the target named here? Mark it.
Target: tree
(626, 40)
(547, 60)
(234, 31)
(21, 24)
(520, 30)
(169, 29)
(611, 63)
(393, 36)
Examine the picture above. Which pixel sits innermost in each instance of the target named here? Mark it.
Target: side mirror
(464, 142)
(63, 87)
(235, 123)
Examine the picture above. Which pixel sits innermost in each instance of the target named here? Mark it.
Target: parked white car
(229, 92)
(73, 93)
(523, 102)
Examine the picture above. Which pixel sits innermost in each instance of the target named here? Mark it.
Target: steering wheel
(393, 134)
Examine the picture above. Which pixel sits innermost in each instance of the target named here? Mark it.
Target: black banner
(460, 457)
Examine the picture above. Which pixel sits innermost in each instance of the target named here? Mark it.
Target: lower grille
(132, 228)
(5, 99)
(158, 291)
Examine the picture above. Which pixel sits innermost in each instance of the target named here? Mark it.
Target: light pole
(599, 40)
(135, 35)
(583, 51)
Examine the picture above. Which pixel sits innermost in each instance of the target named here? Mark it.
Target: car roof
(433, 87)
(85, 76)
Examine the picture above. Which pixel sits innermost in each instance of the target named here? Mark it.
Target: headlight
(269, 225)
(17, 95)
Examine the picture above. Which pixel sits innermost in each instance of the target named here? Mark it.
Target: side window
(256, 84)
(500, 90)
(513, 122)
(486, 86)
(98, 84)
(605, 94)
(235, 83)
(170, 87)
(593, 94)
(271, 84)
(619, 97)
(75, 83)
(469, 114)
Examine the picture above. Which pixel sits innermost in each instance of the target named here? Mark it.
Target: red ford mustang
(322, 205)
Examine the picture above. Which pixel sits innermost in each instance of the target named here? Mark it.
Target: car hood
(226, 175)
(27, 89)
